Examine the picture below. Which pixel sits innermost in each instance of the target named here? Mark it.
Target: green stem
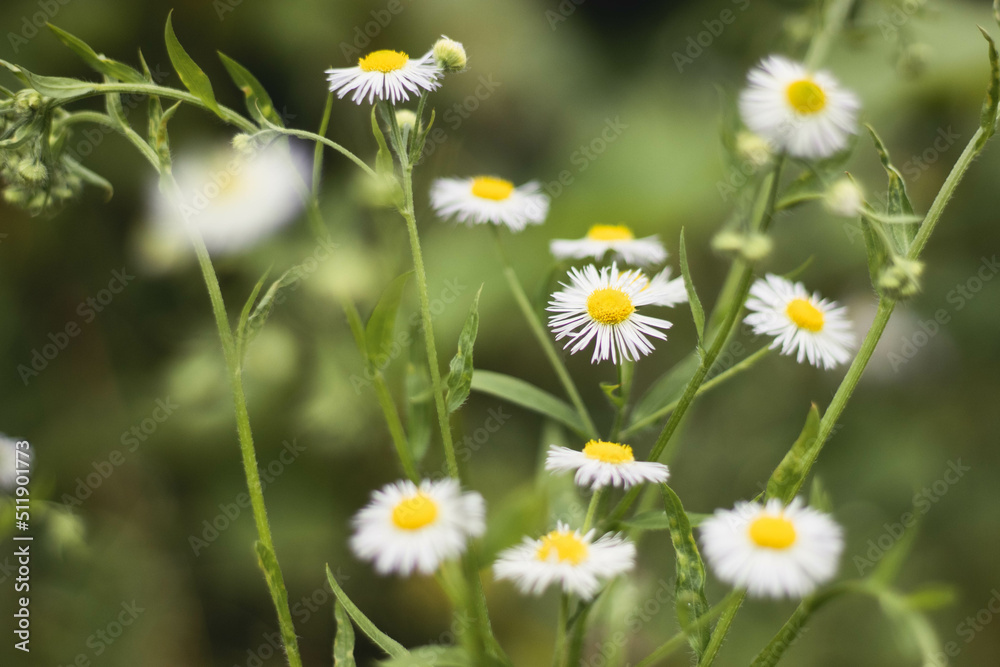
(731, 606)
(543, 338)
(681, 638)
(707, 385)
(279, 593)
(626, 371)
(833, 22)
(395, 425)
(595, 501)
(559, 653)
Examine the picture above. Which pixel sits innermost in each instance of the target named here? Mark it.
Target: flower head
(803, 324)
(450, 55)
(773, 551)
(386, 75)
(603, 464)
(844, 198)
(488, 199)
(567, 558)
(805, 114)
(602, 306)
(619, 239)
(407, 528)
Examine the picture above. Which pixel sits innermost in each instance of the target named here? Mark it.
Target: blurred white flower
(619, 239)
(802, 113)
(233, 199)
(488, 199)
(603, 464)
(386, 75)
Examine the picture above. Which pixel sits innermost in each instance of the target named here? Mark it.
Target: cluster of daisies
(769, 549)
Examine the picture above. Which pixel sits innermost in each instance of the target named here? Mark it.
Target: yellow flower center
(610, 233)
(566, 546)
(805, 315)
(772, 532)
(383, 61)
(806, 97)
(414, 513)
(608, 452)
(489, 187)
(609, 305)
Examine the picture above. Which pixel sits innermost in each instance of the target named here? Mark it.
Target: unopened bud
(844, 198)
(753, 149)
(901, 279)
(450, 55)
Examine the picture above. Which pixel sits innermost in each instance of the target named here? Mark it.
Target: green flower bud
(901, 279)
(751, 247)
(753, 149)
(32, 172)
(844, 198)
(450, 55)
(406, 119)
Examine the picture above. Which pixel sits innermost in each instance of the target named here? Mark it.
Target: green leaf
(89, 176)
(381, 326)
(258, 102)
(876, 249)
(459, 380)
(610, 390)
(343, 643)
(528, 396)
(263, 310)
(912, 629)
(389, 645)
(667, 389)
(657, 520)
(383, 159)
(241, 327)
(106, 66)
(988, 118)
(891, 563)
(187, 69)
(697, 312)
(431, 656)
(689, 591)
(56, 87)
(419, 400)
(793, 468)
(899, 219)
(932, 597)
(268, 564)
(897, 201)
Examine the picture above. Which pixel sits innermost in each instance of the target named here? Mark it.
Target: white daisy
(619, 239)
(668, 292)
(806, 325)
(603, 464)
(406, 528)
(600, 306)
(386, 75)
(235, 200)
(485, 199)
(805, 114)
(772, 551)
(566, 558)
(13, 462)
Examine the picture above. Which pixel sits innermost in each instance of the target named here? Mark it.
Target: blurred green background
(560, 73)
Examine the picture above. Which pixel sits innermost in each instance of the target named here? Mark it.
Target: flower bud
(753, 149)
(32, 172)
(844, 198)
(751, 247)
(450, 55)
(244, 143)
(901, 279)
(406, 119)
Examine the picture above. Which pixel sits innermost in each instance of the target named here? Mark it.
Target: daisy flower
(483, 199)
(619, 239)
(406, 528)
(386, 75)
(668, 292)
(235, 200)
(771, 550)
(600, 306)
(564, 557)
(805, 325)
(603, 464)
(805, 114)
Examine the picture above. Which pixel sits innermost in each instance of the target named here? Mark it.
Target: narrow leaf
(876, 250)
(897, 201)
(383, 159)
(431, 656)
(241, 327)
(697, 312)
(382, 324)
(258, 101)
(988, 118)
(459, 380)
(263, 310)
(106, 66)
(528, 396)
(689, 591)
(343, 643)
(187, 69)
(657, 520)
(793, 468)
(419, 400)
(56, 87)
(389, 645)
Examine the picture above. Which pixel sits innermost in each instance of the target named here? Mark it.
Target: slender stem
(707, 385)
(543, 338)
(731, 606)
(312, 136)
(279, 593)
(574, 648)
(560, 649)
(833, 22)
(626, 371)
(395, 425)
(680, 639)
(317, 171)
(88, 117)
(595, 501)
